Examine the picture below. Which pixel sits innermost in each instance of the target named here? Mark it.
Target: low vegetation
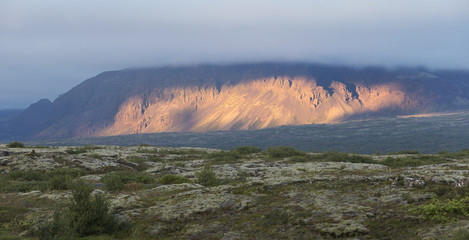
(116, 181)
(404, 152)
(455, 155)
(16, 144)
(207, 177)
(245, 150)
(243, 193)
(331, 156)
(83, 149)
(414, 161)
(173, 179)
(28, 180)
(84, 215)
(445, 210)
(283, 152)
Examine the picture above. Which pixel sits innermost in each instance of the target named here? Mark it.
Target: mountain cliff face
(240, 97)
(256, 104)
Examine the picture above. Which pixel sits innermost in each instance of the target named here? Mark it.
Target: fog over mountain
(236, 97)
(49, 46)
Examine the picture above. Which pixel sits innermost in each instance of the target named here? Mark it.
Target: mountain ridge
(237, 97)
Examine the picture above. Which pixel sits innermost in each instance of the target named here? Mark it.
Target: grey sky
(49, 46)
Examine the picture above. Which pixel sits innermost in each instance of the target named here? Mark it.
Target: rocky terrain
(235, 97)
(245, 193)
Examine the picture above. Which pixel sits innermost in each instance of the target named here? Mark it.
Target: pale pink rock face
(256, 104)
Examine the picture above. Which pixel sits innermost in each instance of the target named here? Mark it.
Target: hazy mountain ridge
(235, 97)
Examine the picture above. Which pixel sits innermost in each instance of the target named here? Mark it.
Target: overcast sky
(49, 46)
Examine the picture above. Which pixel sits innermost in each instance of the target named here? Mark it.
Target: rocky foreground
(245, 193)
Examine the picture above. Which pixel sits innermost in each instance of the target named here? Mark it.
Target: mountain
(9, 113)
(236, 97)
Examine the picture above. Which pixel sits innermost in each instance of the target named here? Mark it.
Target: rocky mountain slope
(236, 97)
(245, 193)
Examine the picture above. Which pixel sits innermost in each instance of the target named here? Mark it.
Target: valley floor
(196, 193)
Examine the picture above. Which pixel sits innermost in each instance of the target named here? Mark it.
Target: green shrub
(224, 156)
(207, 177)
(143, 178)
(283, 152)
(145, 145)
(16, 144)
(173, 179)
(457, 155)
(333, 156)
(444, 211)
(441, 190)
(59, 182)
(116, 181)
(59, 228)
(414, 161)
(246, 150)
(85, 215)
(90, 215)
(59, 179)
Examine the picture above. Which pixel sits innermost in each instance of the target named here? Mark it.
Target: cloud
(60, 43)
